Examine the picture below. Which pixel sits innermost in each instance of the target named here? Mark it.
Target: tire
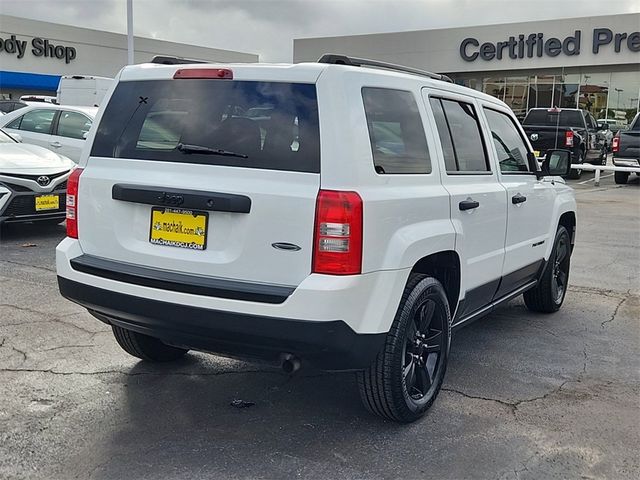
(621, 177)
(603, 156)
(576, 174)
(146, 347)
(405, 378)
(548, 295)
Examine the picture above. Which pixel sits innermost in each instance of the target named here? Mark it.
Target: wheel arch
(445, 267)
(568, 221)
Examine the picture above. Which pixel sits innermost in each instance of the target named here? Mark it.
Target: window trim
(487, 161)
(484, 107)
(426, 141)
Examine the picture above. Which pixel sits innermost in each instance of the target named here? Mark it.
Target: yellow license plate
(47, 202)
(536, 153)
(179, 228)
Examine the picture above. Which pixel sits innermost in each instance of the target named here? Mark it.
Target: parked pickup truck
(570, 128)
(626, 149)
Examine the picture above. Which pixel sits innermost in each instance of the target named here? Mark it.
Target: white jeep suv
(326, 213)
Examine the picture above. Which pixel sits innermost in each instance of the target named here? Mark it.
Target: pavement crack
(137, 374)
(512, 406)
(29, 265)
(67, 346)
(615, 312)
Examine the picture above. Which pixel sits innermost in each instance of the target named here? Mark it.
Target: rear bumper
(329, 345)
(625, 162)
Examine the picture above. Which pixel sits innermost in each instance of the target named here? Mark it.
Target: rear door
(69, 133)
(212, 177)
(478, 201)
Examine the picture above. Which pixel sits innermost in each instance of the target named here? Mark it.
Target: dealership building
(591, 63)
(34, 55)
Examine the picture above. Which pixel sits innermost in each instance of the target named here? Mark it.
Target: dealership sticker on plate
(47, 202)
(175, 227)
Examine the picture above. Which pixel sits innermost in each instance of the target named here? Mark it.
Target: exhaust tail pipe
(289, 363)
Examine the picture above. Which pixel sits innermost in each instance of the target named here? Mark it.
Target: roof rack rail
(336, 59)
(168, 60)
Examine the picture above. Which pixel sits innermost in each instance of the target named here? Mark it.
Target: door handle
(468, 204)
(56, 144)
(517, 198)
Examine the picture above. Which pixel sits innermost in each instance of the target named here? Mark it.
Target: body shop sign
(535, 44)
(39, 47)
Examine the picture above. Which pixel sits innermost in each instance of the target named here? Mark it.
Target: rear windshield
(567, 118)
(275, 125)
(635, 126)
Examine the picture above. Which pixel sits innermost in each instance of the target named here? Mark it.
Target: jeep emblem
(171, 199)
(43, 180)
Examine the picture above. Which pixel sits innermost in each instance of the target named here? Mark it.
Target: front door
(529, 201)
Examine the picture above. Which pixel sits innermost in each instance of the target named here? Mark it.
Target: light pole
(130, 32)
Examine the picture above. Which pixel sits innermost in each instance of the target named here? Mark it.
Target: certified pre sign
(179, 228)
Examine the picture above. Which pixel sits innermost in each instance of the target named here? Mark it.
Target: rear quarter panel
(406, 217)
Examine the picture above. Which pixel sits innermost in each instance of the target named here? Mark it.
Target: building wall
(96, 52)
(606, 83)
(438, 50)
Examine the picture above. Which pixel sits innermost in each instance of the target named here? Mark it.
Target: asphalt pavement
(526, 396)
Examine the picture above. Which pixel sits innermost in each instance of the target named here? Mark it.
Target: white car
(59, 128)
(366, 213)
(33, 182)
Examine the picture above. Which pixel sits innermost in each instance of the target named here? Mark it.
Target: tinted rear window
(274, 124)
(564, 118)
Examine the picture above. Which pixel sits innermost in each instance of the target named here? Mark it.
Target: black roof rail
(336, 59)
(167, 60)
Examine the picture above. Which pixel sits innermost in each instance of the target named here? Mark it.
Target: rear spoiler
(167, 60)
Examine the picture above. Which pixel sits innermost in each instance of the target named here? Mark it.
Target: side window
(510, 148)
(464, 131)
(15, 123)
(73, 125)
(396, 132)
(38, 121)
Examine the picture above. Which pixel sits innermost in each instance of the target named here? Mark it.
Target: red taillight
(615, 146)
(204, 73)
(568, 138)
(73, 182)
(337, 239)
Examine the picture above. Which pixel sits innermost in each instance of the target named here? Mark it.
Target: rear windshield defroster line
(269, 125)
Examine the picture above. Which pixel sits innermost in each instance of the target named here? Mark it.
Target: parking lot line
(592, 179)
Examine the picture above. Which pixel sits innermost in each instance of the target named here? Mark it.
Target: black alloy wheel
(548, 295)
(422, 353)
(405, 378)
(560, 273)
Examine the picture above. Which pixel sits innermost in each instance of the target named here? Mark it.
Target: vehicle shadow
(16, 232)
(179, 418)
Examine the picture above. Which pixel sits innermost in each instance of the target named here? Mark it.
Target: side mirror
(557, 163)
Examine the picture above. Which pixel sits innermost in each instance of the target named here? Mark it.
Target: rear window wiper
(201, 149)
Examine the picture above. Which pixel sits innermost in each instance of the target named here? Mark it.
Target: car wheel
(575, 174)
(548, 295)
(146, 347)
(405, 378)
(603, 156)
(621, 177)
